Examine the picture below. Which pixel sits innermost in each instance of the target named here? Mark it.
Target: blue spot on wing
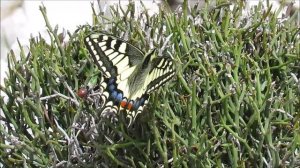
(136, 105)
(119, 97)
(111, 81)
(142, 101)
(111, 88)
(114, 94)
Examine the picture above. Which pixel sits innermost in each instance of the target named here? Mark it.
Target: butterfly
(128, 75)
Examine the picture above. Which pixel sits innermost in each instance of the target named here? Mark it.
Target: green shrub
(234, 101)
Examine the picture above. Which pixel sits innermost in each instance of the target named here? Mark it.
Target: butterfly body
(129, 76)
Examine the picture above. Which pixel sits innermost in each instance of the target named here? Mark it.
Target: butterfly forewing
(162, 70)
(113, 56)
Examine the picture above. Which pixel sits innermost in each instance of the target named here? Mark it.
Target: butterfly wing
(113, 56)
(117, 60)
(162, 70)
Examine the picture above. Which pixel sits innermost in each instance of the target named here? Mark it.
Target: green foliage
(234, 102)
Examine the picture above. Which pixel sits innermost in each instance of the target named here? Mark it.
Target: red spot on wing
(129, 105)
(123, 103)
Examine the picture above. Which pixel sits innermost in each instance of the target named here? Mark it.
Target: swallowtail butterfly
(129, 76)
